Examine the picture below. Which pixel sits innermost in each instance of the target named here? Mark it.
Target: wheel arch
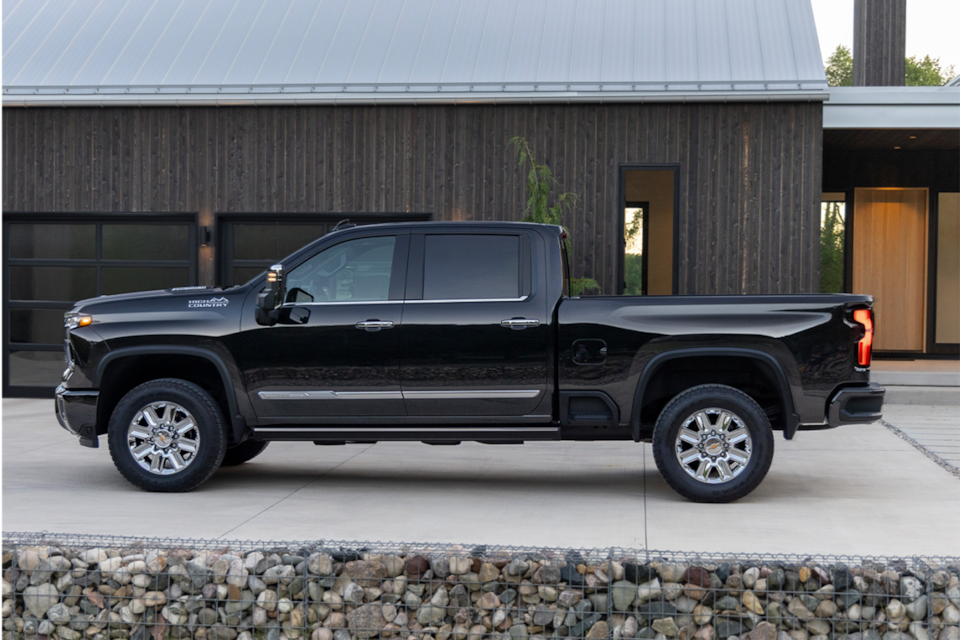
(225, 392)
(656, 364)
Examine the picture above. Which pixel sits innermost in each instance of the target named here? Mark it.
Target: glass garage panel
(53, 241)
(128, 279)
(36, 368)
(52, 283)
(146, 242)
(36, 326)
(271, 241)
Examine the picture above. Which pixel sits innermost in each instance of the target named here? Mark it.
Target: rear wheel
(243, 452)
(167, 435)
(713, 443)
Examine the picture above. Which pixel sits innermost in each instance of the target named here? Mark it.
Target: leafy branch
(540, 184)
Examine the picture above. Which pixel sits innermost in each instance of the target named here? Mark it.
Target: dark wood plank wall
(879, 43)
(749, 180)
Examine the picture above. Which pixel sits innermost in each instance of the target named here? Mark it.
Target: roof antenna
(344, 224)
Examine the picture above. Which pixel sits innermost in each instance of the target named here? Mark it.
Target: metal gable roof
(371, 51)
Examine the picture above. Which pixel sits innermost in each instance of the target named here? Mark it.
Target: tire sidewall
(713, 396)
(209, 424)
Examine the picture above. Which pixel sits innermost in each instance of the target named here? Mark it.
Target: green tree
(920, 73)
(831, 247)
(927, 72)
(540, 184)
(839, 68)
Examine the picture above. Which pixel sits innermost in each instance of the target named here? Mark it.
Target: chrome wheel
(163, 438)
(713, 446)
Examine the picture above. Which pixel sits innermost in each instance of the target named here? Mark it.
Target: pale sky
(931, 28)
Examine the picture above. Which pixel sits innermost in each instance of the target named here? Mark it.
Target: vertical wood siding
(879, 43)
(750, 174)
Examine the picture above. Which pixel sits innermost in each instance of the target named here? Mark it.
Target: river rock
(366, 621)
(910, 588)
(40, 598)
(917, 610)
(666, 626)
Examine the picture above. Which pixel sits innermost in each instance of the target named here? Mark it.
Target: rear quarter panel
(808, 335)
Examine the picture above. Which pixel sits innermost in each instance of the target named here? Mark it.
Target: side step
(430, 434)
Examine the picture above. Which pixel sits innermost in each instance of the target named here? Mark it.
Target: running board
(498, 433)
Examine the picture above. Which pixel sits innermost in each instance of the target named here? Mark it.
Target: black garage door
(51, 261)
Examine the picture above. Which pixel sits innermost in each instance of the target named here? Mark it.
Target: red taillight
(865, 347)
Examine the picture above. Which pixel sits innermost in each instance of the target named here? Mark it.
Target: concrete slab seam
(954, 471)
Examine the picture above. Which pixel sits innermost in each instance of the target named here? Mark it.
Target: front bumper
(77, 413)
(856, 405)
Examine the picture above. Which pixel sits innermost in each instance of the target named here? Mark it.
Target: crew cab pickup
(451, 332)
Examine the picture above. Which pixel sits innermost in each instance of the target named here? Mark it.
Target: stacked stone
(64, 593)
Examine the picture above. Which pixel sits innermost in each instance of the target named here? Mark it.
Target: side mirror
(270, 299)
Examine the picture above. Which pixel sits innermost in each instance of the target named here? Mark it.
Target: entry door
(890, 263)
(335, 351)
(475, 335)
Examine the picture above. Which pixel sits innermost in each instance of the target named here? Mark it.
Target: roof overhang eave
(13, 98)
(892, 108)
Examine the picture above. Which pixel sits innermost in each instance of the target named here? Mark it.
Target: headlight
(74, 320)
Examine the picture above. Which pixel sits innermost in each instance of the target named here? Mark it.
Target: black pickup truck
(446, 332)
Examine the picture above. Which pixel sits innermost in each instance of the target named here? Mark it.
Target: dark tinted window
(470, 267)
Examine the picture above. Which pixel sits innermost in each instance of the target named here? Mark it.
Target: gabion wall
(82, 589)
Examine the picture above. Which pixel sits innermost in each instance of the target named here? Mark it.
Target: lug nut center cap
(714, 446)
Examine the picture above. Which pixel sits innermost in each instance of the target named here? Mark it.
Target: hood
(176, 299)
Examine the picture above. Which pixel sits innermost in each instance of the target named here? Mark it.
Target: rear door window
(471, 267)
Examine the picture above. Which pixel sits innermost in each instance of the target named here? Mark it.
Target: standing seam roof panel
(259, 46)
(555, 54)
(276, 63)
(526, 42)
(713, 47)
(650, 63)
(746, 54)
(774, 32)
(494, 53)
(246, 64)
(681, 46)
(619, 42)
(305, 67)
(467, 40)
(803, 34)
(586, 60)
(92, 61)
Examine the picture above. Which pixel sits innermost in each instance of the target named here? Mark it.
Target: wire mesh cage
(71, 587)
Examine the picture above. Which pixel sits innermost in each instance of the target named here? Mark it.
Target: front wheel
(167, 435)
(713, 443)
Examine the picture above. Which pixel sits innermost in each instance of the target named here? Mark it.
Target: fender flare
(237, 424)
(790, 415)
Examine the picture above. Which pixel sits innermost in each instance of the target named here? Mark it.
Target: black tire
(163, 448)
(700, 410)
(243, 452)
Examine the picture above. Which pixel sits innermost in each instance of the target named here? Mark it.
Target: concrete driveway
(858, 490)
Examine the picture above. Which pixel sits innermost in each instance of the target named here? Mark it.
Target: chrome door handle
(374, 325)
(519, 323)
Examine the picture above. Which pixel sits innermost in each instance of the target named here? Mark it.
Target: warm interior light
(913, 137)
(896, 147)
(864, 317)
